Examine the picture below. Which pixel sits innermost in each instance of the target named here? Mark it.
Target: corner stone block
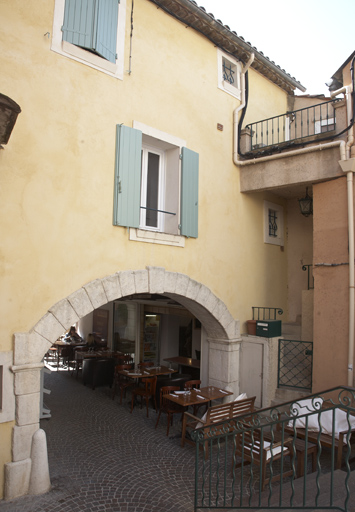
(49, 327)
(96, 293)
(156, 279)
(127, 282)
(17, 478)
(141, 281)
(64, 313)
(112, 287)
(30, 348)
(27, 409)
(27, 382)
(81, 302)
(22, 441)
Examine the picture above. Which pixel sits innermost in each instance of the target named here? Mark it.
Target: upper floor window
(273, 224)
(229, 72)
(91, 32)
(156, 182)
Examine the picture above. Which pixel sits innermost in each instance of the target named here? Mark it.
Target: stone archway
(223, 338)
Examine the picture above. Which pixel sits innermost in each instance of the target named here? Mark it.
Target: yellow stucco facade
(57, 170)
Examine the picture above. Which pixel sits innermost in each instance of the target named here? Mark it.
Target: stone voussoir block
(96, 293)
(182, 284)
(156, 279)
(64, 313)
(49, 327)
(141, 278)
(127, 282)
(30, 348)
(112, 287)
(81, 302)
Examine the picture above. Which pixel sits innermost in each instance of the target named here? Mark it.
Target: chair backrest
(165, 390)
(124, 358)
(192, 384)
(120, 367)
(144, 365)
(150, 384)
(219, 412)
(249, 445)
(244, 406)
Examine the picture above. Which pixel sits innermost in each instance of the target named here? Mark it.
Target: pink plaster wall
(331, 295)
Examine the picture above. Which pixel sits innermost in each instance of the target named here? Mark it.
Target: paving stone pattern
(102, 458)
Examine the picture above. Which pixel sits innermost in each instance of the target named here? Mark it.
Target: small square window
(229, 71)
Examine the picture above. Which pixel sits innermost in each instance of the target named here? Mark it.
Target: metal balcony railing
(299, 124)
(265, 313)
(281, 458)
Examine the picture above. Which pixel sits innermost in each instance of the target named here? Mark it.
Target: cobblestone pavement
(102, 458)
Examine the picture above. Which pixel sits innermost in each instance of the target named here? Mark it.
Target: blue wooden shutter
(106, 36)
(189, 193)
(127, 189)
(92, 25)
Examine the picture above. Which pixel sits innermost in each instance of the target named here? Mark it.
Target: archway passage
(222, 339)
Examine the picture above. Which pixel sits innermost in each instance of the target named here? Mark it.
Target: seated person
(72, 336)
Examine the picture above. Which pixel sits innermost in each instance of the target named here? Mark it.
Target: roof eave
(188, 12)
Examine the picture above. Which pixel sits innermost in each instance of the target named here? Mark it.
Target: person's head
(72, 330)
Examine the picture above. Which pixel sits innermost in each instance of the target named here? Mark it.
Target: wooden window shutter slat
(127, 177)
(189, 193)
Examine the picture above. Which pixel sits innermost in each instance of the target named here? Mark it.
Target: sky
(309, 39)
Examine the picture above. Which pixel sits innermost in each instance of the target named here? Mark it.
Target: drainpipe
(240, 108)
(348, 167)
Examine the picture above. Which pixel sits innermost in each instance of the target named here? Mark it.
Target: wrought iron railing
(298, 124)
(232, 472)
(295, 364)
(310, 278)
(262, 313)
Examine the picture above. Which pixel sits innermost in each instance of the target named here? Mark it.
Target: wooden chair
(214, 415)
(256, 451)
(121, 382)
(143, 365)
(124, 359)
(146, 392)
(168, 407)
(194, 384)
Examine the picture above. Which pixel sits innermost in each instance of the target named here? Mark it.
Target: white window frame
(324, 122)
(163, 141)
(84, 56)
(161, 187)
(224, 85)
(279, 239)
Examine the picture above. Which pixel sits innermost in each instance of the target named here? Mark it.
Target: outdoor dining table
(149, 371)
(198, 396)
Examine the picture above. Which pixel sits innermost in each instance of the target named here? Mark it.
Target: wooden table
(198, 396)
(150, 371)
(184, 361)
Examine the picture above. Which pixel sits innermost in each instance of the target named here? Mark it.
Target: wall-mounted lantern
(306, 205)
(9, 110)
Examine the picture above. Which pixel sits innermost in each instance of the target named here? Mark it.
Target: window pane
(152, 190)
